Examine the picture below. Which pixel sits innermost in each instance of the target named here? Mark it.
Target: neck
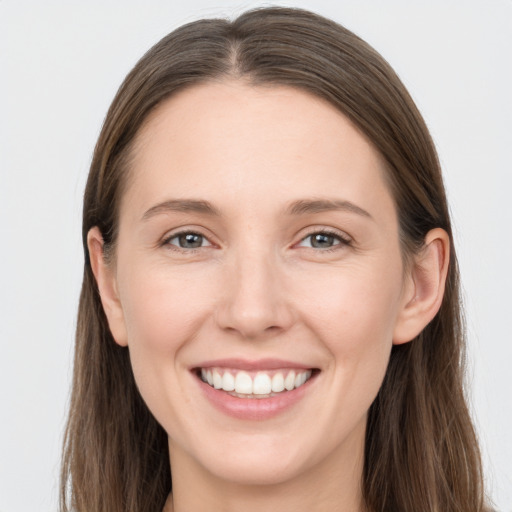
(334, 484)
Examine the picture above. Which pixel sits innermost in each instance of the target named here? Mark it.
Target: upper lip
(254, 365)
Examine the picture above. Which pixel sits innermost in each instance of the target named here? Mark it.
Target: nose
(254, 301)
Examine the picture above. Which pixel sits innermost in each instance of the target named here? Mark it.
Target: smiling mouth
(259, 384)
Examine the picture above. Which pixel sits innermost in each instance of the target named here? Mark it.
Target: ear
(424, 288)
(104, 274)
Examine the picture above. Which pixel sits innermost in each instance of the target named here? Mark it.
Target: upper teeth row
(261, 384)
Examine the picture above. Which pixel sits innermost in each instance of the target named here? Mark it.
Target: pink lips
(253, 409)
(261, 364)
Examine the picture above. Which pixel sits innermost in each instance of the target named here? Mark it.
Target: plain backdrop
(60, 66)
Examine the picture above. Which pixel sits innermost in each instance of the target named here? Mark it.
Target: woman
(270, 309)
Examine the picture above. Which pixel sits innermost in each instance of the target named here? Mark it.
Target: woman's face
(258, 247)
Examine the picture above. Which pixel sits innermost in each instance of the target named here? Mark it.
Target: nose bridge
(254, 302)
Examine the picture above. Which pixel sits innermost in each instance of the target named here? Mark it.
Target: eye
(323, 240)
(188, 240)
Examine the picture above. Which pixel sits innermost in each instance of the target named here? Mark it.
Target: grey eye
(188, 240)
(323, 240)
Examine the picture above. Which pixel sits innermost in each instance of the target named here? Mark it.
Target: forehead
(234, 141)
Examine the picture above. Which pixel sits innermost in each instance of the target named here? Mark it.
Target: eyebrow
(299, 207)
(181, 205)
(308, 206)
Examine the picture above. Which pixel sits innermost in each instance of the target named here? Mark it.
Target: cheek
(163, 308)
(354, 315)
(355, 307)
(162, 311)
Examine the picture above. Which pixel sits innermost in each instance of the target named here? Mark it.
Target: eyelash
(174, 247)
(342, 240)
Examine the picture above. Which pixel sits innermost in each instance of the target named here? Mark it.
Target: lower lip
(254, 409)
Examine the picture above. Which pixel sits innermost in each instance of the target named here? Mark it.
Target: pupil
(190, 240)
(322, 240)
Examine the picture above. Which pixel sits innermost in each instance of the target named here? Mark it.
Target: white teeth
(278, 383)
(228, 382)
(243, 383)
(289, 382)
(261, 386)
(300, 379)
(217, 379)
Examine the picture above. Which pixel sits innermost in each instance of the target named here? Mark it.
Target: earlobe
(425, 288)
(106, 280)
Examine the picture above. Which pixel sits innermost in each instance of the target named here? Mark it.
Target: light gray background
(60, 65)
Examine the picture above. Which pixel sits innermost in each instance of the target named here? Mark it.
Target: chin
(259, 459)
(258, 471)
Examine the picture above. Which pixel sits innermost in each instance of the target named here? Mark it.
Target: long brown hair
(421, 453)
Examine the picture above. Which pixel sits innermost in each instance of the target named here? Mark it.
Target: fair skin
(257, 230)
